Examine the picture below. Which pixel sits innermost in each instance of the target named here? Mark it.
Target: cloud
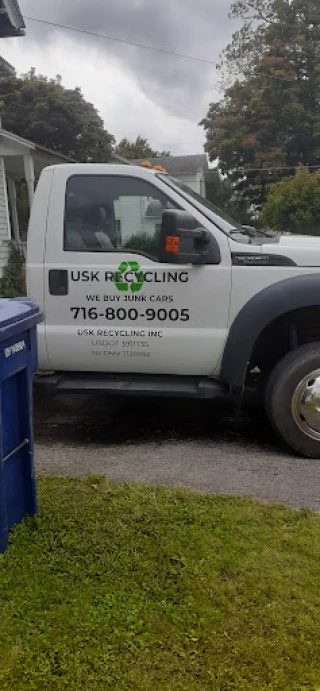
(136, 91)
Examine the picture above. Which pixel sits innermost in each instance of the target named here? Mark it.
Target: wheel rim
(306, 405)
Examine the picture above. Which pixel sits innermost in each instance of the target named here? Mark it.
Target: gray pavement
(173, 443)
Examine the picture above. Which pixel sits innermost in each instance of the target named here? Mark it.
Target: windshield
(209, 210)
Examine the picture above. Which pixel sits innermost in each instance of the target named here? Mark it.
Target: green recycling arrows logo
(120, 277)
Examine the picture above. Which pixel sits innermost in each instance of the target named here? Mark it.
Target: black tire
(279, 397)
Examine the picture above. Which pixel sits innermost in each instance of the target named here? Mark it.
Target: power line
(182, 56)
(269, 170)
(121, 40)
(243, 171)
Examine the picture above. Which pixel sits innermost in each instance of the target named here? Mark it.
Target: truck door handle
(58, 282)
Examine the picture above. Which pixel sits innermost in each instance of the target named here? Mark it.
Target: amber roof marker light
(147, 164)
(160, 169)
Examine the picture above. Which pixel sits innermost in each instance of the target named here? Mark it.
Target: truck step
(134, 385)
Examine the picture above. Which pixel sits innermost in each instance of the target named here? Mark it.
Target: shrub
(12, 281)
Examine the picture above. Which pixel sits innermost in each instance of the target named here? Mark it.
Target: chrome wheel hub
(306, 405)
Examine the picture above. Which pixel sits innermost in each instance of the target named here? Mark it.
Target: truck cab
(148, 288)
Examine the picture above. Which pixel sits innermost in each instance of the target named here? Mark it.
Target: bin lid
(18, 314)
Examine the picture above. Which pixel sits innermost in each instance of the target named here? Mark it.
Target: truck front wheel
(292, 399)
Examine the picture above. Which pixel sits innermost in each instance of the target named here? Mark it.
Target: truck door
(110, 304)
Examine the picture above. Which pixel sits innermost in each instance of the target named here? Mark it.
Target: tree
(43, 111)
(220, 191)
(12, 281)
(294, 204)
(138, 149)
(270, 115)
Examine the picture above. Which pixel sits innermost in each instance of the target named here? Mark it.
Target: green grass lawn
(131, 588)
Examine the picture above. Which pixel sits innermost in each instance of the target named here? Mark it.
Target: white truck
(148, 289)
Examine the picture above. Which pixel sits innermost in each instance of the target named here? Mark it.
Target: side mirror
(182, 242)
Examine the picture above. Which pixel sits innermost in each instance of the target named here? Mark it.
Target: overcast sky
(136, 91)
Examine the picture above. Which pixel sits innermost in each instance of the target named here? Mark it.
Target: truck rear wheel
(292, 399)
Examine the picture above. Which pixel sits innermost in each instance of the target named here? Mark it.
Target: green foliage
(128, 588)
(270, 114)
(23, 207)
(294, 204)
(248, 44)
(220, 191)
(138, 149)
(143, 242)
(60, 119)
(12, 281)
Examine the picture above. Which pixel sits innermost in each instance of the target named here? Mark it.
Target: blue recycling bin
(18, 362)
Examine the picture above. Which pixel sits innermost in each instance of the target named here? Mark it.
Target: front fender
(270, 304)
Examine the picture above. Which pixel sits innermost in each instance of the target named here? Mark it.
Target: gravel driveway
(173, 443)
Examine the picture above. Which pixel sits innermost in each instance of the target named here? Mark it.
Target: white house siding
(193, 181)
(131, 213)
(128, 213)
(12, 9)
(196, 182)
(5, 231)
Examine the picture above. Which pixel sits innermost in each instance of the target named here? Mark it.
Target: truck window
(108, 213)
(217, 216)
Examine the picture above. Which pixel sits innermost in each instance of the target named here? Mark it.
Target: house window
(108, 213)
